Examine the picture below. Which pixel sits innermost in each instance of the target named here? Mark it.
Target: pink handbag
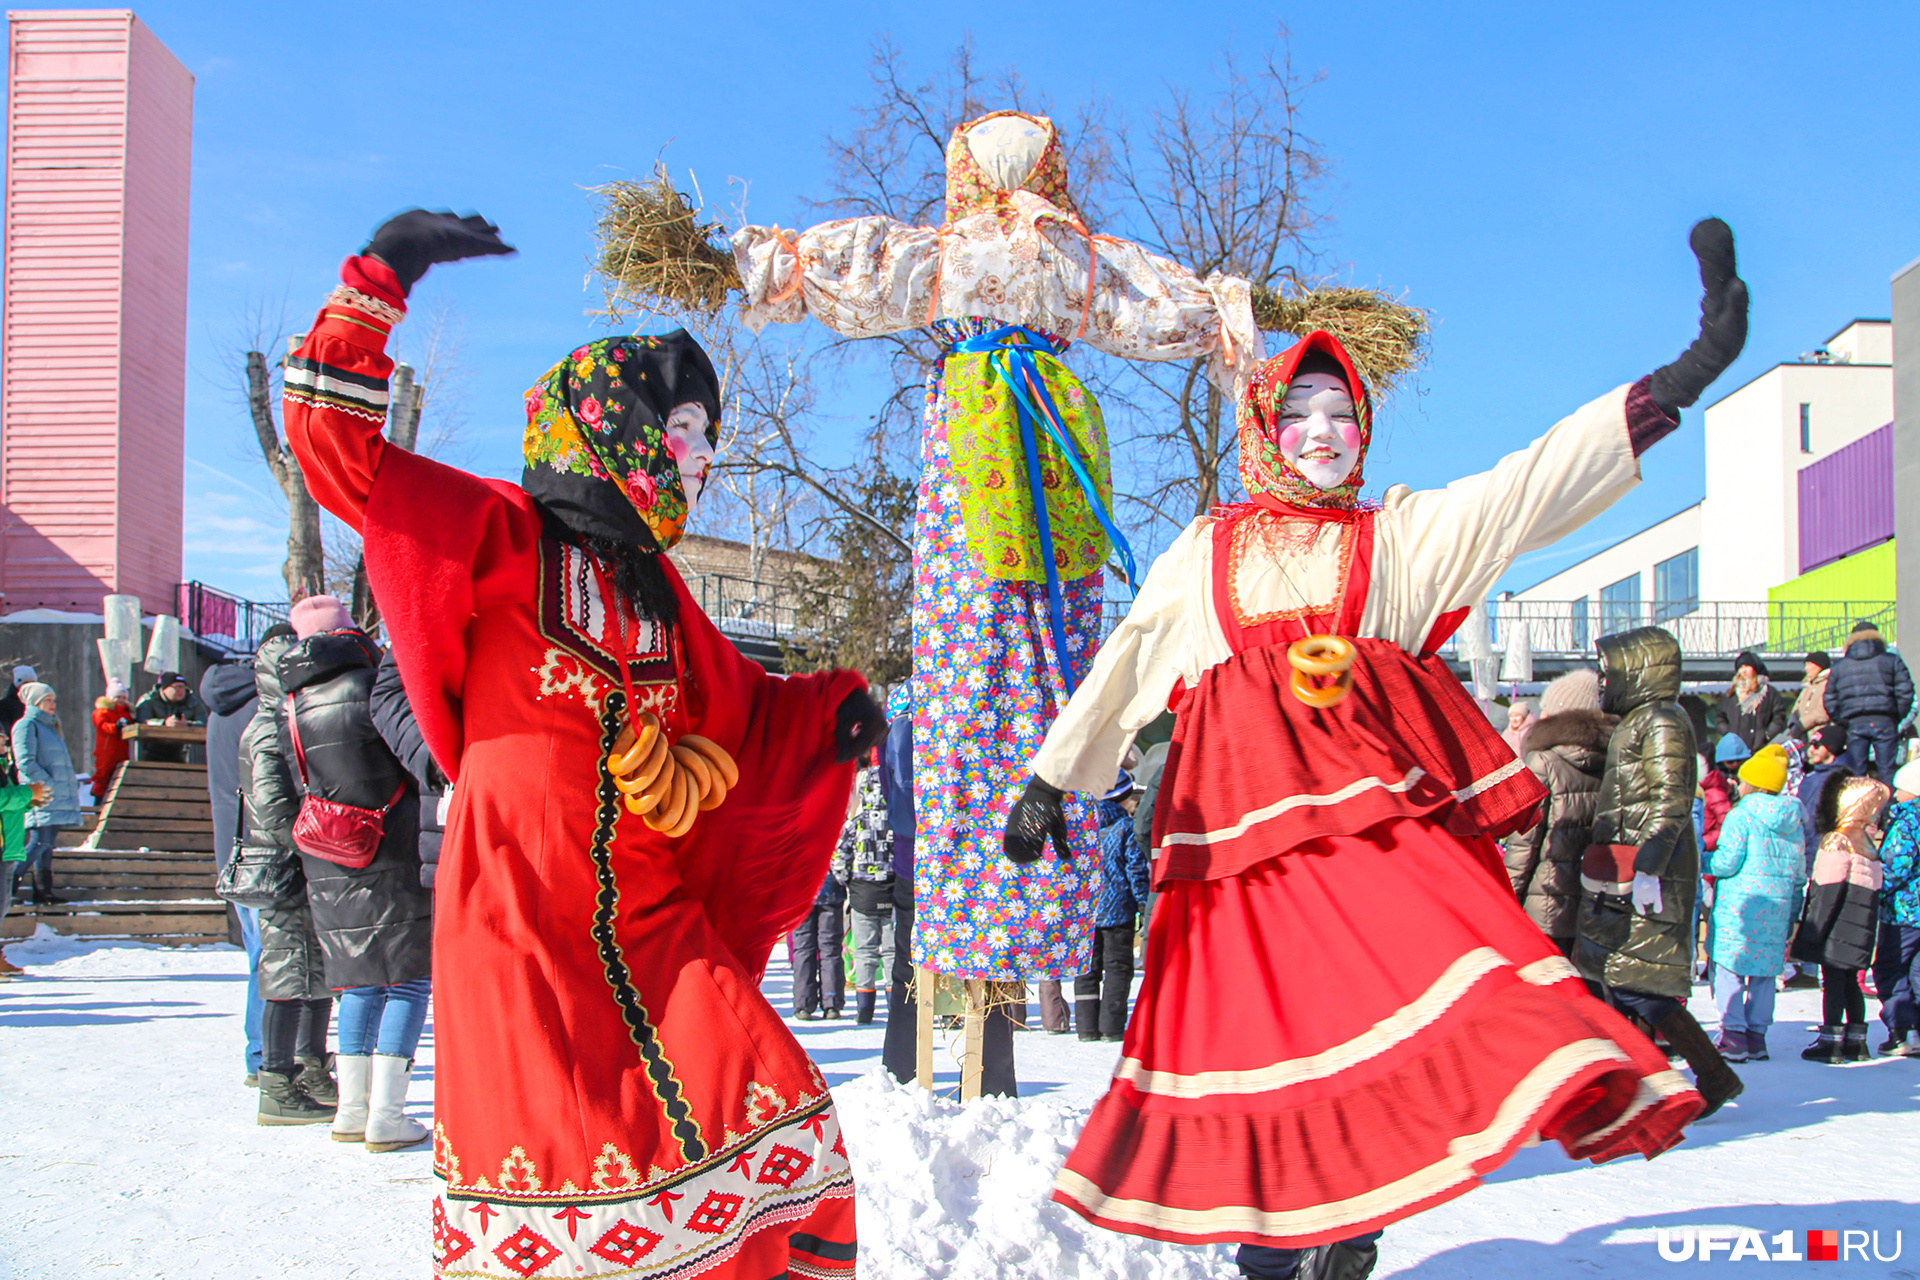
(341, 833)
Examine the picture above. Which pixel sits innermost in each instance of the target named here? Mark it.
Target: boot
(9, 970)
(1853, 1043)
(1342, 1260)
(318, 1082)
(1732, 1046)
(283, 1101)
(43, 877)
(1756, 1046)
(1825, 1048)
(388, 1128)
(1086, 1017)
(1712, 1076)
(863, 1002)
(350, 1117)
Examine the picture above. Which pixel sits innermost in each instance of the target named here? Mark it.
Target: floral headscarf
(596, 445)
(970, 190)
(1263, 468)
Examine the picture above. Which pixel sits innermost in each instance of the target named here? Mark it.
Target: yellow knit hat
(1766, 769)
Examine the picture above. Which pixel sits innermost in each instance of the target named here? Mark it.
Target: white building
(1743, 536)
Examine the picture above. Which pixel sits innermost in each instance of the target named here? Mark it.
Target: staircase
(146, 868)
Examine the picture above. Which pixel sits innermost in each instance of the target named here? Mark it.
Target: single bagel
(1321, 655)
(1321, 696)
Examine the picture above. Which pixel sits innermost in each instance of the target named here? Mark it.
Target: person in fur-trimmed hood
(1841, 921)
(1567, 750)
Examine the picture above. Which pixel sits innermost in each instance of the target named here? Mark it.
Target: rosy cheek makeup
(1350, 436)
(1290, 439)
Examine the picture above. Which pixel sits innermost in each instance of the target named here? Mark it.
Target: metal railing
(1706, 628)
(226, 621)
(762, 608)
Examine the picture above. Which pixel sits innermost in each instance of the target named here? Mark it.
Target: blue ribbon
(1010, 352)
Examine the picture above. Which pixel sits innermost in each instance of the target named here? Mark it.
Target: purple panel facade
(1846, 500)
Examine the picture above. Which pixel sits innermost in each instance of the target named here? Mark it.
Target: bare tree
(305, 566)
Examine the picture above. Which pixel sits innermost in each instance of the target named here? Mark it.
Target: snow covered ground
(130, 1150)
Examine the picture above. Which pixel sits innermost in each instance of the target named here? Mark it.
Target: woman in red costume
(613, 1095)
(1349, 1018)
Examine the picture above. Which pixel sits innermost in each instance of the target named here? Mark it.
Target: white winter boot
(388, 1128)
(350, 1118)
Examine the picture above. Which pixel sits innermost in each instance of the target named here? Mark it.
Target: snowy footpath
(130, 1150)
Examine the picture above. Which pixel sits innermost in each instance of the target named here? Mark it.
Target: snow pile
(962, 1191)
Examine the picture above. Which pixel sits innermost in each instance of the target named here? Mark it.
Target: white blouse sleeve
(1134, 672)
(1447, 547)
(863, 277)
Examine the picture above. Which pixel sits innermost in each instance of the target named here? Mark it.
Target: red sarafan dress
(1345, 1017)
(613, 1095)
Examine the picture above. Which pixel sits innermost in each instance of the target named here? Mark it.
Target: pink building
(93, 339)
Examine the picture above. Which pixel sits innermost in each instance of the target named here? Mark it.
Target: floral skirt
(987, 685)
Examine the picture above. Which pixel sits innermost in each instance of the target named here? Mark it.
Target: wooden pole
(972, 1059)
(926, 984)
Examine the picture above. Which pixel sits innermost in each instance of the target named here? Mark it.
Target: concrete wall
(63, 655)
(1635, 555)
(1906, 444)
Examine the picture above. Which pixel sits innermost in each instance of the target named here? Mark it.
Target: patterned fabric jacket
(1900, 866)
(1756, 896)
(866, 842)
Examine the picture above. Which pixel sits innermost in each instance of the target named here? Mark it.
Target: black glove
(858, 726)
(1036, 815)
(1723, 321)
(416, 239)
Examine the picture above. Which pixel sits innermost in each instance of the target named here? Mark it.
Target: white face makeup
(1319, 432)
(687, 442)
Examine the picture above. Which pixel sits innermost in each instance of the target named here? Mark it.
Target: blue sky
(1528, 172)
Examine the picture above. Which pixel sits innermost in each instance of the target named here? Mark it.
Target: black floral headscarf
(596, 448)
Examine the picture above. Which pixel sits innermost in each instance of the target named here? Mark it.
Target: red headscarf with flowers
(1264, 469)
(596, 446)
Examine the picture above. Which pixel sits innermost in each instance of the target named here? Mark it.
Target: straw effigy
(1386, 338)
(656, 253)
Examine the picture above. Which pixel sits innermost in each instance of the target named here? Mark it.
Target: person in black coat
(1752, 709)
(227, 689)
(296, 1083)
(1870, 691)
(375, 922)
(393, 719)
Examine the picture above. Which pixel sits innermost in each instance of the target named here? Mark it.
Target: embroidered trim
(1221, 835)
(1650, 1092)
(1268, 526)
(328, 385)
(1458, 1169)
(667, 1088)
(1489, 782)
(347, 295)
(1547, 971)
(1398, 1027)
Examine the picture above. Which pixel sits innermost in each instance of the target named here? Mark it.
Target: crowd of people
(1808, 872)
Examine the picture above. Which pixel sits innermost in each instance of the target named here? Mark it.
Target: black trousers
(1650, 1009)
(1841, 999)
(293, 1029)
(819, 950)
(1101, 993)
(896, 1053)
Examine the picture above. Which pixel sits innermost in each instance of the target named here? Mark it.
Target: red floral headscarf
(1263, 468)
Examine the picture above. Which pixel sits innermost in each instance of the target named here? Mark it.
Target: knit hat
(1123, 786)
(24, 674)
(33, 691)
(318, 613)
(1578, 690)
(900, 700)
(1821, 659)
(1907, 778)
(1750, 659)
(169, 679)
(1731, 747)
(1767, 771)
(1832, 735)
(1864, 625)
(116, 688)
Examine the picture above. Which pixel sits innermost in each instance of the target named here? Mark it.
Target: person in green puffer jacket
(1634, 937)
(15, 800)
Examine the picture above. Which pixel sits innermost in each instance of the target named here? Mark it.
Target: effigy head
(1305, 421)
(1005, 151)
(620, 437)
